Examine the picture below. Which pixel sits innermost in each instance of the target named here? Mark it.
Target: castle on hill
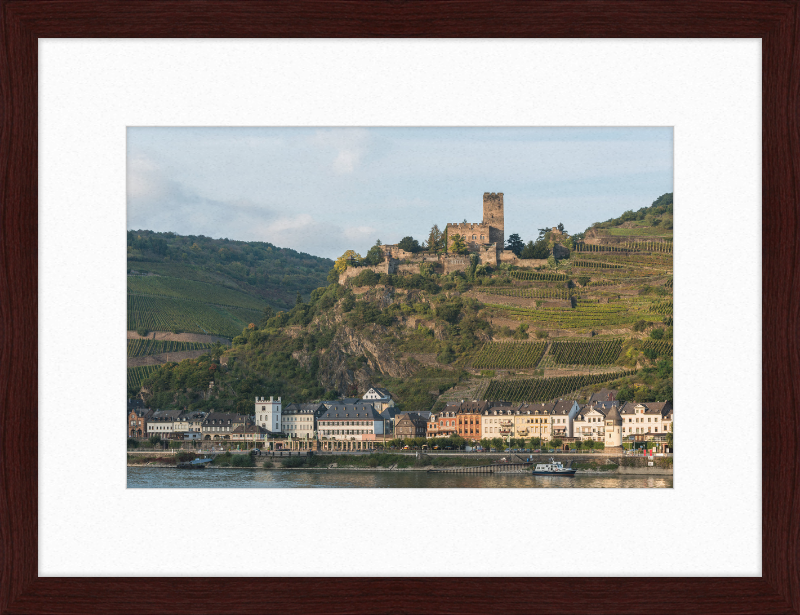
(486, 239)
(489, 233)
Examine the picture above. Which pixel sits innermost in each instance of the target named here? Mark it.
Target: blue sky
(326, 190)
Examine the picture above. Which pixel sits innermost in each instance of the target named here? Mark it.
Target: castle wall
(474, 234)
(455, 263)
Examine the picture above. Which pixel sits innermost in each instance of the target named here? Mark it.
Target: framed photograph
(67, 509)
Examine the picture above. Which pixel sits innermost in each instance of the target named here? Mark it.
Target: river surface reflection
(274, 479)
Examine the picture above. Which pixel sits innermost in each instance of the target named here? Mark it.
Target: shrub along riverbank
(385, 461)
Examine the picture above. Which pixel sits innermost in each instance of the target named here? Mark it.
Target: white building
(380, 398)
(268, 414)
(646, 418)
(162, 423)
(562, 418)
(589, 423)
(300, 420)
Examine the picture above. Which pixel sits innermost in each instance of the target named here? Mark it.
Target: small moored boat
(194, 464)
(553, 468)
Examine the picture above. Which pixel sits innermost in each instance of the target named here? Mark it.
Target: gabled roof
(602, 395)
(223, 417)
(350, 412)
(650, 407)
(602, 409)
(416, 419)
(165, 415)
(141, 412)
(191, 416)
(303, 409)
(380, 391)
(563, 406)
(346, 401)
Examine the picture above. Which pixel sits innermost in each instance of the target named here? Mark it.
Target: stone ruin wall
(389, 266)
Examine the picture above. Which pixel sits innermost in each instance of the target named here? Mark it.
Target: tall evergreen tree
(515, 244)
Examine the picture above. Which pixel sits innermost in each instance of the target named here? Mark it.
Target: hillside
(600, 318)
(197, 284)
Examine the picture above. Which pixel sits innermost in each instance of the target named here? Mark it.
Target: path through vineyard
(180, 337)
(165, 357)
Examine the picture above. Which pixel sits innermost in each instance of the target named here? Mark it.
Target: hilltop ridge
(596, 316)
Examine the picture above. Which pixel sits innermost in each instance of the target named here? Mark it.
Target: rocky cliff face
(354, 356)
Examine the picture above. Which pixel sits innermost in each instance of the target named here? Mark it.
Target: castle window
(482, 237)
(474, 237)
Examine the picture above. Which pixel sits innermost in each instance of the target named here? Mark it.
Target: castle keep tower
(493, 217)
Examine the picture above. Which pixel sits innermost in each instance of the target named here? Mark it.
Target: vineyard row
(546, 389)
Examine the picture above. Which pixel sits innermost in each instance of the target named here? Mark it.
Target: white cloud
(346, 161)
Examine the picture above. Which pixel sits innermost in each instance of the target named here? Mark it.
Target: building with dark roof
(300, 420)
(359, 421)
(220, 425)
(379, 397)
(410, 425)
(603, 395)
(161, 423)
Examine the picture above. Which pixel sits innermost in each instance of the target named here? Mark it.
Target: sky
(326, 190)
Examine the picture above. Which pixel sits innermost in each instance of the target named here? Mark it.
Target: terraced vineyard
(509, 355)
(530, 293)
(137, 374)
(546, 389)
(585, 316)
(536, 275)
(146, 347)
(590, 352)
(590, 247)
(591, 264)
(664, 308)
(162, 286)
(663, 348)
(165, 314)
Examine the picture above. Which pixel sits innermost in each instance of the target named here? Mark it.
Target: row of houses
(602, 419)
(374, 417)
(367, 418)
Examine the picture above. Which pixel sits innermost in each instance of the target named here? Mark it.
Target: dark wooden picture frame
(776, 22)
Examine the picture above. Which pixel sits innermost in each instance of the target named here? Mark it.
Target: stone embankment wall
(509, 258)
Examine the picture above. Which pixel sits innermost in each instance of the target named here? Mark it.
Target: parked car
(538, 450)
(551, 450)
(492, 450)
(255, 451)
(436, 448)
(406, 447)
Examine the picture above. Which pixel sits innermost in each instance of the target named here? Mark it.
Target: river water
(246, 478)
